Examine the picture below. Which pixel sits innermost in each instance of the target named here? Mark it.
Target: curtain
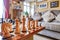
(6, 6)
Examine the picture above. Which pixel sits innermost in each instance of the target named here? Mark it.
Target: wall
(48, 6)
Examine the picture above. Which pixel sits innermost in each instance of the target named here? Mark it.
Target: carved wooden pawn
(29, 28)
(17, 30)
(33, 24)
(23, 25)
(36, 23)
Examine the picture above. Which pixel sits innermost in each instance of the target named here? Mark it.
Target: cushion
(48, 16)
(37, 16)
(58, 17)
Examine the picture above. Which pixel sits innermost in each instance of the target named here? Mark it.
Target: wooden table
(25, 36)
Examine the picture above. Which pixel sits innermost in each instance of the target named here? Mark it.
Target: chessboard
(8, 33)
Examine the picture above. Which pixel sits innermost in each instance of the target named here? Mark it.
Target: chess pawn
(33, 24)
(5, 31)
(36, 23)
(23, 25)
(17, 30)
(29, 28)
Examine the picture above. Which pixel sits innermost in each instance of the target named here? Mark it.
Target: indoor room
(29, 19)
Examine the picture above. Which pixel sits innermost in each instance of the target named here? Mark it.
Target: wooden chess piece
(36, 23)
(33, 24)
(23, 25)
(9, 25)
(29, 28)
(5, 31)
(17, 30)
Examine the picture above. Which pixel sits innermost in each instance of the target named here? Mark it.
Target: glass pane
(28, 9)
(25, 3)
(28, 4)
(32, 11)
(1, 8)
(25, 9)
(2, 15)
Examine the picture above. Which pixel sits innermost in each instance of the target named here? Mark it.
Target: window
(1, 9)
(26, 7)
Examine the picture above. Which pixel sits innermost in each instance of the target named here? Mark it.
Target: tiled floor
(37, 37)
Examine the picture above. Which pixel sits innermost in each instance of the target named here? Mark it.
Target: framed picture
(44, 5)
(54, 4)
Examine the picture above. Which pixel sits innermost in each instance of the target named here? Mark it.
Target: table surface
(24, 36)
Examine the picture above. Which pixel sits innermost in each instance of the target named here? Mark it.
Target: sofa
(51, 30)
(51, 22)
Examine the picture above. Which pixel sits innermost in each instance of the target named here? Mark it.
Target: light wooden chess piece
(36, 23)
(33, 24)
(17, 30)
(23, 25)
(5, 31)
(9, 25)
(29, 28)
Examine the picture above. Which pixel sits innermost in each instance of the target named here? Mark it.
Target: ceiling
(25, 0)
(30, 0)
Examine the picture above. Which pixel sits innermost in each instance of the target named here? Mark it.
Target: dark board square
(54, 4)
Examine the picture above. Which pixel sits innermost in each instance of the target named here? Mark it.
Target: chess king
(5, 31)
(17, 30)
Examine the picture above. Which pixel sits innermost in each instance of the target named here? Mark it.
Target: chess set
(7, 28)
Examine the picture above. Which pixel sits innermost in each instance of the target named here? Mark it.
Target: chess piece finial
(17, 30)
(5, 31)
